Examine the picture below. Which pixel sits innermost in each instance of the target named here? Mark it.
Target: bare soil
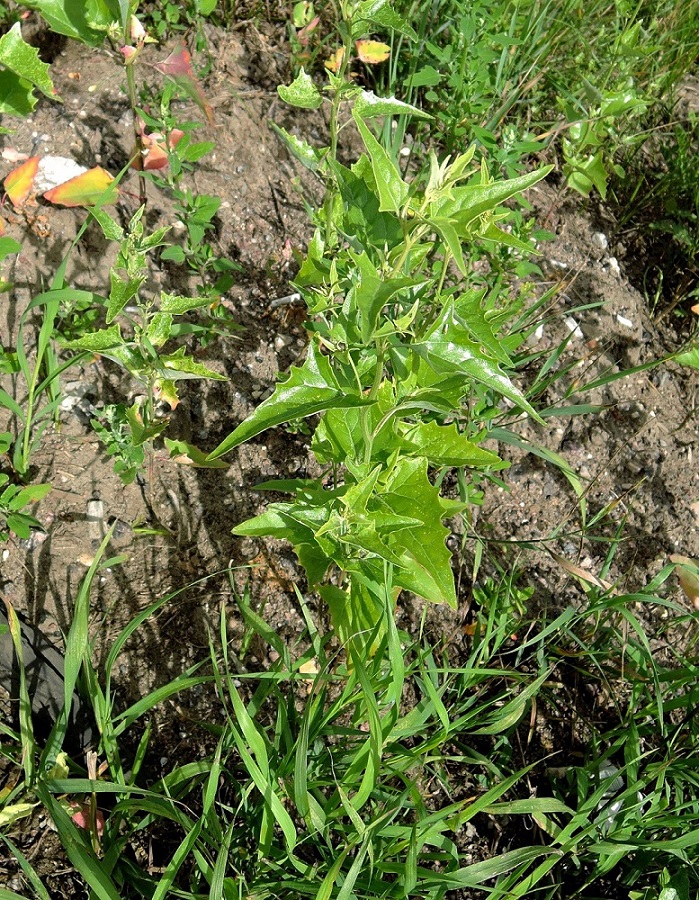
(634, 456)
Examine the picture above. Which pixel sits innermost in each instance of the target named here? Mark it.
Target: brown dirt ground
(636, 454)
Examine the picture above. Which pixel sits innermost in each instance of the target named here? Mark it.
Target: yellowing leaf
(84, 190)
(20, 182)
(335, 60)
(688, 574)
(372, 52)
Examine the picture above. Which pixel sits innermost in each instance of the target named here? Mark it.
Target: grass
(528, 748)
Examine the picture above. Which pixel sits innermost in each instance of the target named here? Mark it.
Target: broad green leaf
(368, 105)
(98, 341)
(425, 559)
(172, 303)
(444, 445)
(180, 366)
(159, 329)
(391, 188)
(18, 57)
(30, 494)
(277, 521)
(470, 202)
(299, 148)
(302, 92)
(379, 12)
(309, 389)
(189, 455)
(372, 292)
(584, 174)
(469, 310)
(451, 239)
(448, 350)
(17, 97)
(110, 229)
(8, 246)
(122, 290)
(688, 358)
(86, 21)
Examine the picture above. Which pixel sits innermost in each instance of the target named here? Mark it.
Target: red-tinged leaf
(20, 182)
(84, 190)
(303, 35)
(335, 60)
(178, 66)
(3, 227)
(372, 52)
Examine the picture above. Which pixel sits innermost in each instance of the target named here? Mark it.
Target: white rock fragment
(610, 264)
(622, 320)
(95, 519)
(55, 170)
(539, 333)
(600, 240)
(572, 326)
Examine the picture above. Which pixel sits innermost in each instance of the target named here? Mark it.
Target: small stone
(610, 264)
(572, 326)
(95, 519)
(600, 240)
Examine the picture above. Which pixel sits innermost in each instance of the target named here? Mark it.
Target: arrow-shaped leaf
(309, 389)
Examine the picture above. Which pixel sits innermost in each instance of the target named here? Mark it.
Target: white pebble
(573, 327)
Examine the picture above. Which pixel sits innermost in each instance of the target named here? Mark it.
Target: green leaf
(469, 310)
(448, 234)
(372, 292)
(175, 254)
(309, 389)
(425, 559)
(473, 200)
(189, 455)
(180, 366)
(30, 494)
(368, 105)
(16, 95)
(380, 12)
(172, 303)
(8, 246)
(302, 92)
(444, 445)
(98, 341)
(86, 21)
(299, 148)
(448, 350)
(122, 290)
(18, 57)
(110, 229)
(688, 358)
(159, 329)
(391, 188)
(21, 524)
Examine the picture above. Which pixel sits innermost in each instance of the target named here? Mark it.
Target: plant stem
(138, 156)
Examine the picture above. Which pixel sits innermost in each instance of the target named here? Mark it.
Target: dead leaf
(19, 184)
